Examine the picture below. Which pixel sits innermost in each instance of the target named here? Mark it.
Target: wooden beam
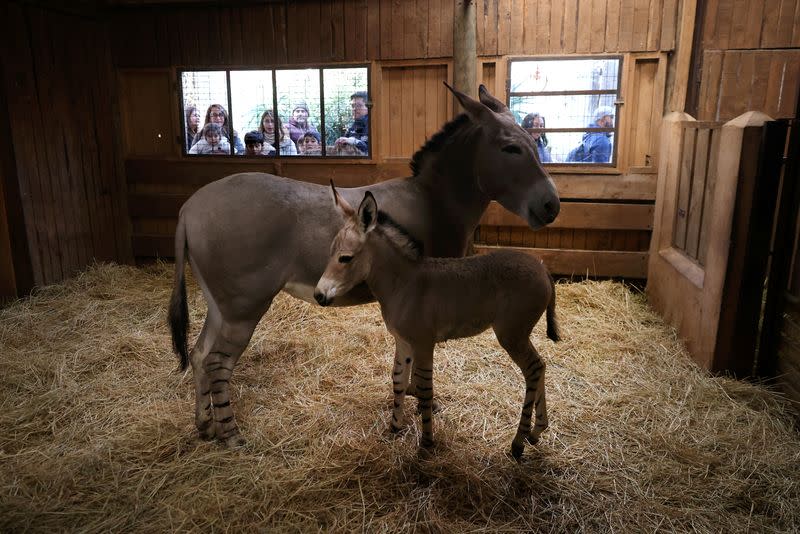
(591, 215)
(583, 263)
(678, 73)
(465, 52)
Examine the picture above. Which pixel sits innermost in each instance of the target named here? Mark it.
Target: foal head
(350, 263)
(506, 161)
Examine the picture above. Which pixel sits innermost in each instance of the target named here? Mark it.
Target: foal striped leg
(423, 375)
(400, 373)
(533, 369)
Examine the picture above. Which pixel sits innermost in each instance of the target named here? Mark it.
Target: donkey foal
(427, 300)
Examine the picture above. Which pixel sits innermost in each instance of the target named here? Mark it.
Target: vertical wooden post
(678, 71)
(465, 52)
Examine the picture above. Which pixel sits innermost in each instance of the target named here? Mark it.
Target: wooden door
(700, 274)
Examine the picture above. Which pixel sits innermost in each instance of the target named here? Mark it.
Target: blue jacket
(595, 148)
(360, 130)
(544, 153)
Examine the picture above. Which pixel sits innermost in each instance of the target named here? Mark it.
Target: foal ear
(475, 109)
(346, 209)
(368, 213)
(490, 101)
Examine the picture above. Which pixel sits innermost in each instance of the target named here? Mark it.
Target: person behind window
(192, 125)
(310, 144)
(298, 125)
(216, 114)
(268, 126)
(535, 120)
(253, 143)
(357, 134)
(211, 141)
(596, 146)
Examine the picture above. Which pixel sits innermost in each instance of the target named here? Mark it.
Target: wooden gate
(715, 200)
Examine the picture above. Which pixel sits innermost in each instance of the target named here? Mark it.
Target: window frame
(274, 69)
(614, 164)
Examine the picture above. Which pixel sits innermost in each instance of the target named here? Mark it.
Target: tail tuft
(553, 331)
(179, 323)
(178, 307)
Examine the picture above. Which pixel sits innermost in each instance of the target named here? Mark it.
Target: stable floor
(97, 432)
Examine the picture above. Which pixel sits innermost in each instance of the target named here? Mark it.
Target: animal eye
(512, 149)
(345, 259)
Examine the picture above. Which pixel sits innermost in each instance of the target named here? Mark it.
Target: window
(568, 106)
(312, 112)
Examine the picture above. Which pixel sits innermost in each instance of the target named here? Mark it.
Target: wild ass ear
(476, 110)
(346, 209)
(490, 101)
(368, 213)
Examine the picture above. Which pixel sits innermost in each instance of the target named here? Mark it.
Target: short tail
(553, 331)
(178, 307)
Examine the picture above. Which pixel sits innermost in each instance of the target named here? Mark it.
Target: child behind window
(253, 143)
(211, 141)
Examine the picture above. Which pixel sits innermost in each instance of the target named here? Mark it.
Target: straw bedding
(97, 432)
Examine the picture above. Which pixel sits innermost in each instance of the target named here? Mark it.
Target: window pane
(571, 111)
(597, 147)
(207, 92)
(564, 75)
(298, 106)
(346, 118)
(251, 97)
(563, 111)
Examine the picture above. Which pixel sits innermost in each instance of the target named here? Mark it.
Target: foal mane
(438, 141)
(399, 237)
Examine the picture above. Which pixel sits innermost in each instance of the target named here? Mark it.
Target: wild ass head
(506, 162)
(349, 263)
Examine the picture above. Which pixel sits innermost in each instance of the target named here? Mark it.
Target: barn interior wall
(409, 46)
(748, 59)
(66, 164)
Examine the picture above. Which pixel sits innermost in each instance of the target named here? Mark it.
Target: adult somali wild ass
(427, 300)
(250, 235)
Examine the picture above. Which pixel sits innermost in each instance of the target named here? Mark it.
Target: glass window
(298, 106)
(568, 106)
(251, 107)
(347, 108)
(313, 112)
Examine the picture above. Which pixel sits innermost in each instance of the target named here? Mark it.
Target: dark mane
(435, 143)
(400, 237)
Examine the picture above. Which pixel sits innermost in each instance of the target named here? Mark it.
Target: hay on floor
(97, 434)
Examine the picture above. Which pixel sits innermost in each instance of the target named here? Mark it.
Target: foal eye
(345, 259)
(512, 149)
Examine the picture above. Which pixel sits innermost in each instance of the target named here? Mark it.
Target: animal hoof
(426, 443)
(533, 440)
(235, 442)
(516, 450)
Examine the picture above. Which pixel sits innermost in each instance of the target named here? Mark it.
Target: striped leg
(533, 369)
(219, 364)
(400, 373)
(412, 390)
(514, 337)
(203, 415)
(423, 375)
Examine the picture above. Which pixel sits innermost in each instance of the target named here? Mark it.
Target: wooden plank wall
(508, 27)
(749, 58)
(362, 30)
(409, 45)
(63, 111)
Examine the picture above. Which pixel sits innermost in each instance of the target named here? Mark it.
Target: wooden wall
(749, 59)
(66, 163)
(605, 225)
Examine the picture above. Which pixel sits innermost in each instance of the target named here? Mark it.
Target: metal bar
(563, 93)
